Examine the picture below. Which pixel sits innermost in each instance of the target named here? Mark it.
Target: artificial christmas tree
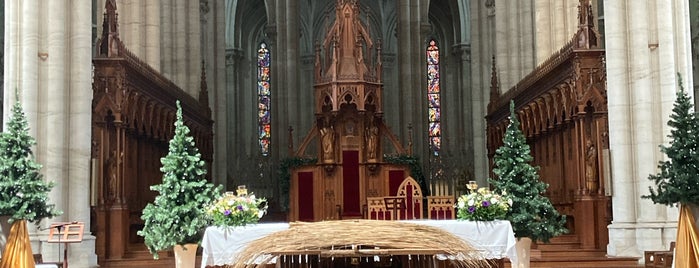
(23, 192)
(178, 214)
(678, 179)
(532, 215)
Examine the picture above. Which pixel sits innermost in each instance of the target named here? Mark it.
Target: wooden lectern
(66, 232)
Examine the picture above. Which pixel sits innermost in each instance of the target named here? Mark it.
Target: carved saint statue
(111, 175)
(372, 136)
(327, 137)
(591, 166)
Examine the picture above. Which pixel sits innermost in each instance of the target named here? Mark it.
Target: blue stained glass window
(433, 92)
(264, 101)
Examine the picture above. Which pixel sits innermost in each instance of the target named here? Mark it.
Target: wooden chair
(411, 191)
(659, 258)
(376, 209)
(440, 208)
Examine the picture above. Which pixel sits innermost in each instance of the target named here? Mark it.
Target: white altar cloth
(496, 239)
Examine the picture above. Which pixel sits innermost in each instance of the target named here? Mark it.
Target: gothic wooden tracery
(349, 126)
(132, 122)
(562, 106)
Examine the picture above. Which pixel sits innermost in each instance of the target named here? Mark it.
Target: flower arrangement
(237, 210)
(483, 205)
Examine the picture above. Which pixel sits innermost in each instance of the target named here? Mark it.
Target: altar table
(494, 238)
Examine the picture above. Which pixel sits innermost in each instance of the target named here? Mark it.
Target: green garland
(415, 168)
(284, 173)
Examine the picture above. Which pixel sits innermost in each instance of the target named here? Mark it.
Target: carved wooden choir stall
(349, 130)
(562, 106)
(133, 116)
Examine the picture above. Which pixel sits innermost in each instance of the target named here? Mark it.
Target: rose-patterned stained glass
(433, 95)
(263, 99)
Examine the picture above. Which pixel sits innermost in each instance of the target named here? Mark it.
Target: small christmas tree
(23, 192)
(178, 214)
(532, 214)
(678, 179)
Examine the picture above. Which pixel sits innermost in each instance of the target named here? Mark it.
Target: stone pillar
(555, 23)
(482, 51)
(48, 60)
(193, 49)
(52, 59)
(179, 52)
(152, 33)
(216, 61)
(231, 108)
(166, 37)
(641, 97)
(80, 114)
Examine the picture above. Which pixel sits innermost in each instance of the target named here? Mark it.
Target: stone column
(641, 97)
(501, 41)
(291, 84)
(152, 33)
(80, 114)
(555, 23)
(193, 48)
(48, 60)
(232, 94)
(482, 51)
(166, 37)
(217, 60)
(52, 59)
(179, 36)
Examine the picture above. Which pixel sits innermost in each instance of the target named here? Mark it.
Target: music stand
(65, 232)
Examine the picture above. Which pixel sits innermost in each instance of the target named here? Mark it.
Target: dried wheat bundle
(358, 238)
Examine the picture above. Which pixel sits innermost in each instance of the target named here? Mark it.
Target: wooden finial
(291, 141)
(494, 88)
(586, 35)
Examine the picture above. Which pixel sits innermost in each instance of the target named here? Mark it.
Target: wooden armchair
(440, 208)
(411, 191)
(659, 258)
(376, 209)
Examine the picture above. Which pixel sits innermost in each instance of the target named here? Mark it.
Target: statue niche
(349, 127)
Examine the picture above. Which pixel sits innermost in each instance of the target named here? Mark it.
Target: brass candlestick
(472, 186)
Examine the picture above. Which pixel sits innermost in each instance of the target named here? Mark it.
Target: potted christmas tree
(532, 215)
(677, 182)
(23, 192)
(178, 215)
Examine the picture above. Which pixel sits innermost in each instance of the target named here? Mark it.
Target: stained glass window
(433, 91)
(263, 99)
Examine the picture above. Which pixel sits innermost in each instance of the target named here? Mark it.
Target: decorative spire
(203, 91)
(586, 35)
(291, 141)
(109, 42)
(494, 87)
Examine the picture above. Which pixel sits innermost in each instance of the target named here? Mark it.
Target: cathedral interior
(322, 106)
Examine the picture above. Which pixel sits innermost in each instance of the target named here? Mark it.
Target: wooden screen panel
(305, 196)
(350, 184)
(395, 178)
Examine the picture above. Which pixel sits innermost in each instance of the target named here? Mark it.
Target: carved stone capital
(462, 51)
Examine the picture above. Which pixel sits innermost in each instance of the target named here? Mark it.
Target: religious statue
(327, 137)
(111, 175)
(372, 136)
(591, 166)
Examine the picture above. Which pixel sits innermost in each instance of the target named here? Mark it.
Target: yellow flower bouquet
(237, 210)
(483, 205)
